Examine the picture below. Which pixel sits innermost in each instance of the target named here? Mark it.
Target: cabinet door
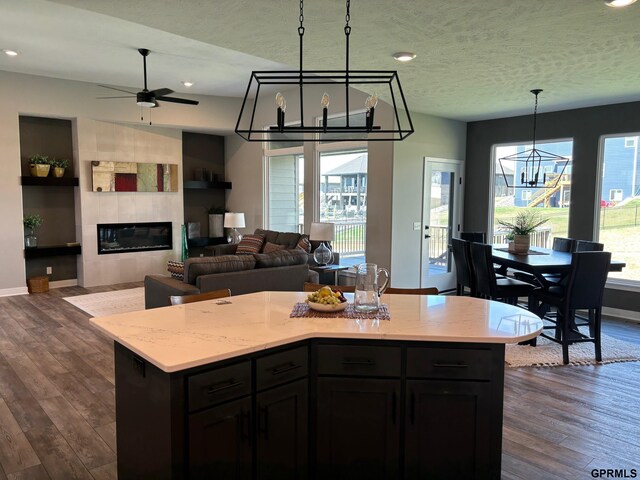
(220, 441)
(358, 428)
(282, 449)
(450, 432)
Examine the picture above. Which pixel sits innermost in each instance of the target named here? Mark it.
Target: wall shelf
(201, 184)
(52, 251)
(50, 181)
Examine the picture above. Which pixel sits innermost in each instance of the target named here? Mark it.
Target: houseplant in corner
(39, 165)
(59, 165)
(30, 223)
(519, 230)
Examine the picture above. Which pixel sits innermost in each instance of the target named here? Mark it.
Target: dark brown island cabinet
(316, 409)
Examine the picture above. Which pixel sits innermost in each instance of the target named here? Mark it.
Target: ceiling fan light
(618, 3)
(145, 103)
(187, 84)
(404, 56)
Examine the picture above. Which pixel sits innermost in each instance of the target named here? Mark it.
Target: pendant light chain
(347, 32)
(301, 34)
(535, 114)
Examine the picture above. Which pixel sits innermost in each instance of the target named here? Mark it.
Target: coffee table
(324, 271)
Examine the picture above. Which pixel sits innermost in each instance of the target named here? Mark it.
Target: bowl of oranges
(327, 300)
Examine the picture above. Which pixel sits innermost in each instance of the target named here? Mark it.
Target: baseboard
(7, 292)
(621, 314)
(72, 282)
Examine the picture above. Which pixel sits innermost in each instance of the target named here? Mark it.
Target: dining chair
(588, 246)
(584, 291)
(199, 297)
(314, 287)
(464, 274)
(478, 237)
(412, 291)
(561, 244)
(488, 285)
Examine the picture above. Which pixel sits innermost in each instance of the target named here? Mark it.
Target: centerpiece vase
(521, 243)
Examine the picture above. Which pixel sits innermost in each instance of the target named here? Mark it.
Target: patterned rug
(109, 303)
(549, 354)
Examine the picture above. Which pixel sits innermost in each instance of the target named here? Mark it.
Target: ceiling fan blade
(178, 100)
(160, 92)
(118, 89)
(126, 96)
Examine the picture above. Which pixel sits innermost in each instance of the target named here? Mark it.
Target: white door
(441, 204)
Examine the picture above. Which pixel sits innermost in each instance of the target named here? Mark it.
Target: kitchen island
(235, 388)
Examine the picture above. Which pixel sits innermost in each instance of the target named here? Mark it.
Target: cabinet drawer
(279, 368)
(220, 385)
(359, 360)
(450, 363)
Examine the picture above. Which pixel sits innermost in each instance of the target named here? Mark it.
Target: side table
(324, 272)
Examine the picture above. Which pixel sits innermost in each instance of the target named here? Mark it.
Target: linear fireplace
(134, 237)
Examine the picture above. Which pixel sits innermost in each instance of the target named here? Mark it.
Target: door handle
(427, 236)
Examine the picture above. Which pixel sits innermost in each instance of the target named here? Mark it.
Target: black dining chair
(588, 246)
(478, 237)
(561, 244)
(464, 274)
(584, 291)
(490, 286)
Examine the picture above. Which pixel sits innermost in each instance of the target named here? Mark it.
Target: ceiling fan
(150, 98)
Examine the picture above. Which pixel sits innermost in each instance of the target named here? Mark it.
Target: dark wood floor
(57, 409)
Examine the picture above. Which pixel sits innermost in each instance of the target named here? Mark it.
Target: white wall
(433, 137)
(55, 98)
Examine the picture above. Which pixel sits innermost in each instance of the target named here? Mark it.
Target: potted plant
(519, 230)
(31, 222)
(59, 165)
(39, 165)
(216, 222)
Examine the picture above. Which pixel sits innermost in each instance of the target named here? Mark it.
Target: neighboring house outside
(620, 175)
(344, 188)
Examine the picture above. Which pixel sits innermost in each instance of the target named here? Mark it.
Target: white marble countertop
(184, 336)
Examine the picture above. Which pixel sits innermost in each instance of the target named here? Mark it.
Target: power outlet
(49, 270)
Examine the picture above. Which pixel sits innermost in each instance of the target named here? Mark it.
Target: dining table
(539, 261)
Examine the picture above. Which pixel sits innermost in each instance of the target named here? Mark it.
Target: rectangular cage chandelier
(344, 114)
(528, 169)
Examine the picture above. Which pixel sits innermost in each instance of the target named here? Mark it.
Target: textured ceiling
(476, 59)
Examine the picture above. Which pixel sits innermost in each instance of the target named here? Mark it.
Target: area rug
(109, 303)
(549, 354)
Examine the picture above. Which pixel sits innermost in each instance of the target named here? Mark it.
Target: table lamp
(323, 233)
(234, 221)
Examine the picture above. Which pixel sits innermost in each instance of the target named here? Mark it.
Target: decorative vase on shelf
(216, 222)
(39, 169)
(30, 239)
(521, 243)
(58, 172)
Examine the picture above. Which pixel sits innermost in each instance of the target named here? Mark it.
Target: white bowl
(321, 307)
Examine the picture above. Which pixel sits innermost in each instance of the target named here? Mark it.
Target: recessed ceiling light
(618, 3)
(404, 56)
(11, 53)
(187, 84)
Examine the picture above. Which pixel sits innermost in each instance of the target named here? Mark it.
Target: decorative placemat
(302, 310)
(530, 252)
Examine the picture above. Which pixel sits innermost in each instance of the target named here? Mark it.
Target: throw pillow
(176, 269)
(250, 244)
(304, 243)
(272, 247)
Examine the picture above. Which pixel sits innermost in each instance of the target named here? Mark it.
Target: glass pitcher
(367, 293)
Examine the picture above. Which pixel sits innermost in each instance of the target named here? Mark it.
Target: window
(343, 201)
(553, 204)
(615, 194)
(284, 191)
(619, 216)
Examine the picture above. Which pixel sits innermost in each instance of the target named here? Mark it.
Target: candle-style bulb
(280, 100)
(284, 105)
(324, 102)
(374, 100)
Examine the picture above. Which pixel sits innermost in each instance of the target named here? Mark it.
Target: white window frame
(526, 195)
(629, 142)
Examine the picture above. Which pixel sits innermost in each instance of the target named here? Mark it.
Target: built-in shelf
(201, 185)
(205, 241)
(51, 181)
(52, 251)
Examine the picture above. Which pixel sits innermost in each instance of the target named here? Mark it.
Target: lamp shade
(234, 220)
(324, 232)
